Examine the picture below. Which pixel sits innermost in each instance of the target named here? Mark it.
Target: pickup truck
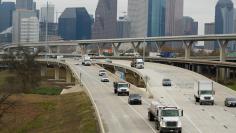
(121, 88)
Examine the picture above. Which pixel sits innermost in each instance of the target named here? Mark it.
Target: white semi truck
(137, 63)
(121, 88)
(167, 118)
(204, 93)
(86, 61)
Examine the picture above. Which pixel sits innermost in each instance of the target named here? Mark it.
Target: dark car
(135, 99)
(166, 82)
(230, 102)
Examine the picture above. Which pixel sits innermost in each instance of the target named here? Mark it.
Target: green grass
(46, 91)
(233, 87)
(70, 113)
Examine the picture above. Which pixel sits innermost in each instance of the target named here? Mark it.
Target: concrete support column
(68, 76)
(217, 74)
(159, 46)
(223, 45)
(57, 73)
(43, 71)
(193, 67)
(49, 50)
(188, 46)
(116, 48)
(228, 73)
(83, 49)
(58, 49)
(199, 69)
(136, 46)
(77, 49)
(99, 49)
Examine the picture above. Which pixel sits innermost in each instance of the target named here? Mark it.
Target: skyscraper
(123, 27)
(174, 15)
(75, 24)
(43, 14)
(6, 9)
(138, 16)
(224, 18)
(25, 26)
(190, 26)
(25, 4)
(156, 18)
(105, 20)
(209, 29)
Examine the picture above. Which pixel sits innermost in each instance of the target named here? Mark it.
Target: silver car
(230, 102)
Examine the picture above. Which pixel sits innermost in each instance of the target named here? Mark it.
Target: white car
(102, 72)
(104, 79)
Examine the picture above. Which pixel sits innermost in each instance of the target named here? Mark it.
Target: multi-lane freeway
(118, 116)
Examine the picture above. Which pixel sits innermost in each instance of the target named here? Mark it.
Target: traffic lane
(209, 118)
(121, 118)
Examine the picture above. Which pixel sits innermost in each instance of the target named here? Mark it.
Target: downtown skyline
(202, 11)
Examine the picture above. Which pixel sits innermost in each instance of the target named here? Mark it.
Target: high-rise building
(190, 26)
(156, 18)
(224, 19)
(174, 15)
(25, 26)
(75, 24)
(52, 31)
(209, 29)
(138, 16)
(123, 27)
(47, 13)
(25, 4)
(105, 20)
(6, 9)
(6, 36)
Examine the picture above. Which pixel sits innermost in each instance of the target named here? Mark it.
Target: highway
(202, 119)
(117, 115)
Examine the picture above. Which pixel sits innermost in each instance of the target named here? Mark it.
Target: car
(230, 102)
(104, 79)
(102, 72)
(135, 99)
(166, 82)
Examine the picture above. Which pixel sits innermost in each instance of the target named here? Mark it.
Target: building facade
(52, 31)
(105, 23)
(156, 18)
(123, 27)
(190, 26)
(6, 10)
(25, 4)
(224, 19)
(25, 26)
(47, 14)
(209, 29)
(75, 24)
(138, 16)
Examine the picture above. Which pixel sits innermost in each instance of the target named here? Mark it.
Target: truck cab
(86, 61)
(167, 118)
(137, 63)
(121, 88)
(204, 93)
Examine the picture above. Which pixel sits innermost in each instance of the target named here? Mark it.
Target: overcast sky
(201, 10)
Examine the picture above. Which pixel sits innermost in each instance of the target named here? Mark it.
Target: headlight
(163, 124)
(201, 98)
(179, 124)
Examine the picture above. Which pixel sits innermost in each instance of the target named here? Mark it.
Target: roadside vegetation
(30, 104)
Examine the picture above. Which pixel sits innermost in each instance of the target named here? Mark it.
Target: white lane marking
(148, 124)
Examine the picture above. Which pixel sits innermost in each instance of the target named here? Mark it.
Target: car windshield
(170, 113)
(166, 80)
(102, 71)
(231, 99)
(123, 85)
(140, 63)
(206, 92)
(135, 96)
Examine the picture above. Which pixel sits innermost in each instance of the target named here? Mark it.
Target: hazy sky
(201, 10)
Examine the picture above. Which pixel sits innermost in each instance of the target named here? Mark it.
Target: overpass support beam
(116, 48)
(57, 73)
(68, 76)
(83, 49)
(159, 46)
(43, 71)
(136, 46)
(223, 45)
(188, 46)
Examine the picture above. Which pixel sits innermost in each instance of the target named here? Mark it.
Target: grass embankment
(34, 113)
(232, 86)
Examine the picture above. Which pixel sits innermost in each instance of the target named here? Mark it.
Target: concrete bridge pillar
(223, 45)
(77, 49)
(58, 49)
(136, 46)
(228, 73)
(43, 71)
(83, 49)
(188, 46)
(159, 46)
(49, 50)
(68, 76)
(116, 48)
(57, 73)
(199, 69)
(99, 49)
